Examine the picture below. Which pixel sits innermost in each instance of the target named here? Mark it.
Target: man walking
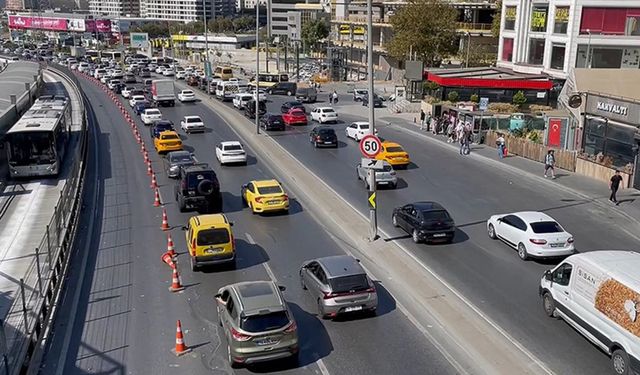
(549, 164)
(614, 184)
(500, 142)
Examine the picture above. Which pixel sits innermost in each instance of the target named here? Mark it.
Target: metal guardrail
(31, 311)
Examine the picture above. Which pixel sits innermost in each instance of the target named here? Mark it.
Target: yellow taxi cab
(264, 196)
(167, 141)
(394, 154)
(210, 240)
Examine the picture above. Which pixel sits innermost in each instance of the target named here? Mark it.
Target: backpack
(549, 159)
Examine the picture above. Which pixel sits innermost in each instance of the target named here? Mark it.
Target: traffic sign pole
(370, 146)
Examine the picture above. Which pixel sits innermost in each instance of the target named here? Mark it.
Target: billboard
(139, 40)
(24, 22)
(76, 24)
(103, 26)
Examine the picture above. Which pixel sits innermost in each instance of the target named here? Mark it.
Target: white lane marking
(322, 367)
(272, 276)
(250, 239)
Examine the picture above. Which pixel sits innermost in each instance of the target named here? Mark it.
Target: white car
(192, 124)
(99, 73)
(358, 129)
(83, 67)
(231, 152)
(239, 100)
(126, 92)
(262, 95)
(160, 69)
(150, 115)
(136, 99)
(168, 72)
(533, 234)
(324, 114)
(181, 74)
(187, 96)
(113, 83)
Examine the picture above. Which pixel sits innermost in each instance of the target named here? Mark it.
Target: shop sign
(562, 14)
(103, 26)
(76, 24)
(613, 109)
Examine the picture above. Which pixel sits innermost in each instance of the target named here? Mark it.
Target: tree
(314, 31)
(427, 28)
(244, 24)
(474, 98)
(497, 17)
(519, 99)
(453, 96)
(221, 25)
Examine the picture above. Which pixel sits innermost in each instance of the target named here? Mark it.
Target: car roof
(361, 122)
(533, 216)
(210, 220)
(231, 143)
(428, 206)
(192, 117)
(340, 265)
(323, 108)
(621, 265)
(265, 183)
(257, 296)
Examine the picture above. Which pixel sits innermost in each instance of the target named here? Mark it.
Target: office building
(116, 8)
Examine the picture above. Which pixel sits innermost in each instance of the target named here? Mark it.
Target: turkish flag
(555, 126)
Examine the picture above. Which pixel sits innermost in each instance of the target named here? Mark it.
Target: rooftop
(341, 265)
(12, 80)
(493, 77)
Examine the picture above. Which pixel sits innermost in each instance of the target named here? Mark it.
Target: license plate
(383, 182)
(265, 342)
(273, 202)
(328, 143)
(213, 250)
(557, 244)
(440, 235)
(353, 308)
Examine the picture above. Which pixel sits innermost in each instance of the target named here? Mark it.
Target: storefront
(611, 135)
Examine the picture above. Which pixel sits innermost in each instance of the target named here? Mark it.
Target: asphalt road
(487, 272)
(124, 320)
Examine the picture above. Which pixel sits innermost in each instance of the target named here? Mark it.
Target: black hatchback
(272, 121)
(323, 136)
(287, 106)
(425, 221)
(250, 108)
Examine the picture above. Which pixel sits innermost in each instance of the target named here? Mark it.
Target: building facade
(115, 8)
(555, 36)
(280, 16)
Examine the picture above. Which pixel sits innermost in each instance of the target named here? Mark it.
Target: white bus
(37, 143)
(226, 90)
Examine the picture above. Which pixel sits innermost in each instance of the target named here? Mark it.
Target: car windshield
(439, 215)
(179, 158)
(276, 118)
(546, 227)
(194, 119)
(349, 283)
(269, 190)
(265, 322)
(169, 136)
(214, 236)
(232, 147)
(395, 149)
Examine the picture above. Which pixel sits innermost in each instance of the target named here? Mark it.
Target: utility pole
(297, 61)
(207, 64)
(373, 217)
(257, 79)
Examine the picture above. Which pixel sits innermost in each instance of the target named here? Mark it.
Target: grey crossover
(339, 285)
(177, 160)
(385, 177)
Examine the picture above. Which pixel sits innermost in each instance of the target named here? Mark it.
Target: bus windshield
(31, 148)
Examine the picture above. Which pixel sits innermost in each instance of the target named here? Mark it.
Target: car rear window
(153, 112)
(269, 190)
(232, 147)
(169, 136)
(328, 110)
(179, 158)
(349, 283)
(435, 215)
(276, 118)
(395, 149)
(546, 227)
(326, 131)
(194, 119)
(214, 236)
(297, 112)
(364, 126)
(265, 322)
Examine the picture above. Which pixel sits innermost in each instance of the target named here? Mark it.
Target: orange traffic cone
(181, 348)
(142, 148)
(149, 170)
(146, 158)
(156, 201)
(166, 258)
(170, 250)
(154, 182)
(165, 220)
(175, 281)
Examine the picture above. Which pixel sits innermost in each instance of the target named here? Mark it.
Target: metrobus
(37, 143)
(269, 79)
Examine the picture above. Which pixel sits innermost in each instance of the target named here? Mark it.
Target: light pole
(466, 65)
(207, 64)
(257, 91)
(587, 62)
(373, 217)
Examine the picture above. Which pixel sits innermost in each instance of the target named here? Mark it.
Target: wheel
(194, 266)
(522, 252)
(491, 231)
(414, 236)
(181, 204)
(620, 362)
(394, 220)
(232, 363)
(549, 305)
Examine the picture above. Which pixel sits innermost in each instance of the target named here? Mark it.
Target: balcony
(474, 27)
(362, 20)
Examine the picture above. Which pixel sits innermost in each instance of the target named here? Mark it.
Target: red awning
(517, 84)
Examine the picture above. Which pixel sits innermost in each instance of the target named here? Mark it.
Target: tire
(194, 266)
(181, 204)
(394, 221)
(491, 231)
(549, 305)
(522, 252)
(620, 362)
(414, 236)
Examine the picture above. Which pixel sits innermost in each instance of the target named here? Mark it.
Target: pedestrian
(450, 132)
(614, 185)
(330, 98)
(422, 116)
(549, 164)
(335, 97)
(500, 143)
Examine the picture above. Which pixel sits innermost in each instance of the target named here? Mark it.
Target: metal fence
(30, 312)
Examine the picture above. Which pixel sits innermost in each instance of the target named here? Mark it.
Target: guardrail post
(39, 273)
(24, 307)
(49, 249)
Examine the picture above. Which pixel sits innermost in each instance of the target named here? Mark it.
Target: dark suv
(250, 108)
(198, 188)
(283, 88)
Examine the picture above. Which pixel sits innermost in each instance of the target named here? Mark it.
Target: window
(614, 21)
(265, 322)
(507, 49)
(539, 18)
(346, 284)
(557, 56)
(510, 18)
(561, 20)
(536, 51)
(606, 57)
(611, 140)
(213, 237)
(632, 25)
(562, 275)
(546, 227)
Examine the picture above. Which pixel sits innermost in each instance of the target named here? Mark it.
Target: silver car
(385, 177)
(257, 323)
(339, 285)
(177, 160)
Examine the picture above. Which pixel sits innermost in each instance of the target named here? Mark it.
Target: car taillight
(238, 336)
(371, 290)
(328, 295)
(292, 328)
(318, 138)
(538, 242)
(570, 240)
(285, 197)
(193, 243)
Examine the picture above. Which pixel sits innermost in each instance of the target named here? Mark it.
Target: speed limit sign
(370, 146)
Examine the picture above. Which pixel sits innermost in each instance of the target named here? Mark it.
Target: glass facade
(561, 20)
(536, 51)
(608, 57)
(539, 15)
(611, 140)
(557, 56)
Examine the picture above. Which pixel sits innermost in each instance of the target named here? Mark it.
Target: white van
(226, 90)
(598, 293)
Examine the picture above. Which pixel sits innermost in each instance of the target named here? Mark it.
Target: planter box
(600, 172)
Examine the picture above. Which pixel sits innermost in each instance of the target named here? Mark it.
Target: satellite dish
(575, 101)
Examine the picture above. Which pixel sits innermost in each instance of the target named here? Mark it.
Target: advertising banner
(75, 24)
(22, 22)
(103, 26)
(19, 22)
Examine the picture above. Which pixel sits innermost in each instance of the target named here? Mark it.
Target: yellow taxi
(167, 141)
(210, 240)
(394, 154)
(264, 196)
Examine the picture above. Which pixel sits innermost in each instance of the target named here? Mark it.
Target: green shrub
(453, 96)
(519, 99)
(475, 98)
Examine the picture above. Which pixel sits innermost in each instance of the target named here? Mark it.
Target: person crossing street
(549, 164)
(614, 185)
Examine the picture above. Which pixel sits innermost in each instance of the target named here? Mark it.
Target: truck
(163, 92)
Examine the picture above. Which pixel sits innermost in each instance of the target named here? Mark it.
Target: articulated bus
(269, 79)
(37, 143)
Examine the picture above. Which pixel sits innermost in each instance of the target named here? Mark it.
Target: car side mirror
(231, 223)
(547, 275)
(282, 288)
(184, 227)
(499, 220)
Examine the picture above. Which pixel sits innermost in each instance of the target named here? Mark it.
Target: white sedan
(357, 130)
(181, 74)
(136, 99)
(187, 96)
(126, 92)
(533, 234)
(324, 114)
(151, 115)
(192, 123)
(239, 100)
(168, 72)
(262, 95)
(231, 152)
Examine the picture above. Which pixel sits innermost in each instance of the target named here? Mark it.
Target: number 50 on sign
(370, 146)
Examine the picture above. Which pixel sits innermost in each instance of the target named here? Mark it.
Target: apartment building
(115, 8)
(556, 36)
(286, 17)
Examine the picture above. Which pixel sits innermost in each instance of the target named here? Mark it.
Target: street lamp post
(466, 65)
(587, 62)
(257, 79)
(207, 65)
(373, 217)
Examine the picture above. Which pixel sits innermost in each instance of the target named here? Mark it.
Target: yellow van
(210, 241)
(223, 72)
